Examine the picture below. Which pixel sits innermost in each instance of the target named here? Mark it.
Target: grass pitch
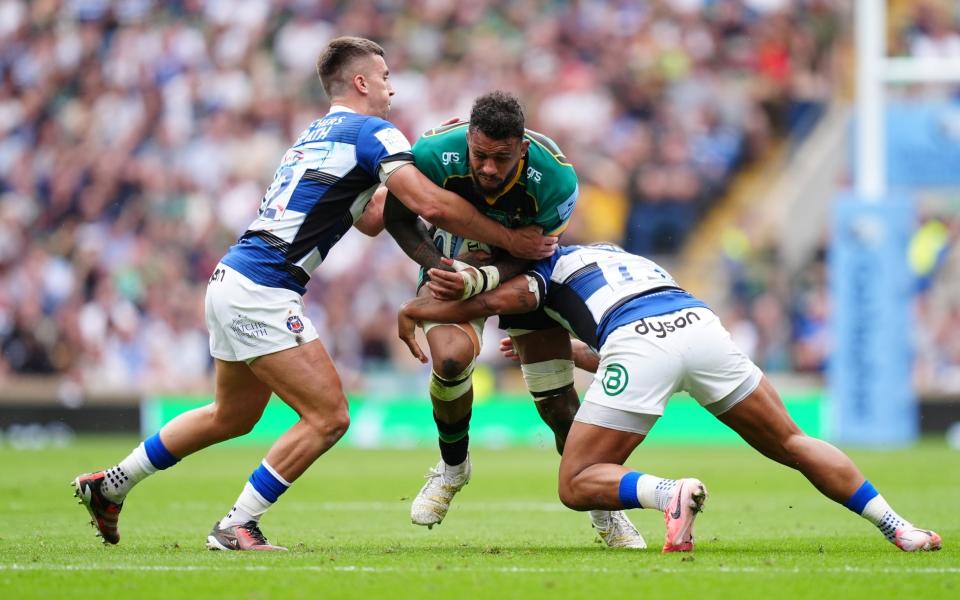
(765, 531)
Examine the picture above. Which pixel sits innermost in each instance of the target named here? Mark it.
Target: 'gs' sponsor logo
(662, 327)
(449, 157)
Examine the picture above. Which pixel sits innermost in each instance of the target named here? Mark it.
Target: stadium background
(138, 136)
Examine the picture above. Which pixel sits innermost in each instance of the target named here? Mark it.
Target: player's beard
(474, 178)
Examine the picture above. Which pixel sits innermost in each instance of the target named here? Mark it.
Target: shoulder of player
(548, 169)
(444, 152)
(453, 131)
(545, 150)
(371, 124)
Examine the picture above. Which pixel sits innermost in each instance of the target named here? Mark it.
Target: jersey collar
(335, 108)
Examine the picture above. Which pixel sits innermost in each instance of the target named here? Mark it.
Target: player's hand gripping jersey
(319, 190)
(543, 190)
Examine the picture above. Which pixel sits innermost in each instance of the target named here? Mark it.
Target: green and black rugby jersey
(543, 191)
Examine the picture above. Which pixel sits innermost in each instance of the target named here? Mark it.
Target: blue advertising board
(870, 372)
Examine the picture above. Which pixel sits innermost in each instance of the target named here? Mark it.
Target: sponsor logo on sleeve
(393, 140)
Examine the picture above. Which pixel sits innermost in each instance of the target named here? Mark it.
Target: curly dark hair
(498, 115)
(339, 54)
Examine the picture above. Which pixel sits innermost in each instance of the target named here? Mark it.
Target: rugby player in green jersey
(517, 177)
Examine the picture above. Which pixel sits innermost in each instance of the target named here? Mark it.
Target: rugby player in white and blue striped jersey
(260, 338)
(650, 338)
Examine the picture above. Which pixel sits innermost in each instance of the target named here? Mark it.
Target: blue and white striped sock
(145, 460)
(641, 490)
(260, 492)
(869, 504)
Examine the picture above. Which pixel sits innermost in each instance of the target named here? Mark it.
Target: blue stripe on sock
(628, 490)
(158, 453)
(266, 484)
(858, 501)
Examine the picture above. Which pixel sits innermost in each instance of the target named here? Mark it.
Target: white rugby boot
(443, 482)
(616, 530)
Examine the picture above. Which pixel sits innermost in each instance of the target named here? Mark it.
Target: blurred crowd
(781, 318)
(137, 137)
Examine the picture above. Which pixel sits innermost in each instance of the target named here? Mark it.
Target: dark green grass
(765, 531)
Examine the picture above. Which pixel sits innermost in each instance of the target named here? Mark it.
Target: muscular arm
(513, 297)
(411, 234)
(445, 209)
(371, 221)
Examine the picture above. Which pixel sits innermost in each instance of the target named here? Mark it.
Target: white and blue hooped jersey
(318, 192)
(593, 290)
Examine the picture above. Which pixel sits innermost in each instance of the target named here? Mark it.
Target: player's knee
(569, 496)
(231, 424)
(548, 378)
(451, 362)
(453, 380)
(336, 426)
(331, 421)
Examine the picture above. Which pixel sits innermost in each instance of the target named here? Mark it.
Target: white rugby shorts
(644, 363)
(247, 320)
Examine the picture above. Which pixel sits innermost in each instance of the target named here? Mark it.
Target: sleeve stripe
(558, 230)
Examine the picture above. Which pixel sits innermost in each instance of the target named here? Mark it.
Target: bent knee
(570, 498)
(452, 367)
(330, 422)
(231, 424)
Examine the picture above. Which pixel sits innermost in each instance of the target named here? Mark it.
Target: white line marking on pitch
(518, 570)
(399, 505)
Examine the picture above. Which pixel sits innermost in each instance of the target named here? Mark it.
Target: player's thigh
(542, 345)
(762, 420)
(589, 444)
(305, 378)
(239, 393)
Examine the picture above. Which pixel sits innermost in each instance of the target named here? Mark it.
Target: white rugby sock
(250, 506)
(655, 492)
(878, 512)
(130, 471)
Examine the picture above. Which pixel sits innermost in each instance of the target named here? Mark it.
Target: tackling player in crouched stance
(650, 338)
